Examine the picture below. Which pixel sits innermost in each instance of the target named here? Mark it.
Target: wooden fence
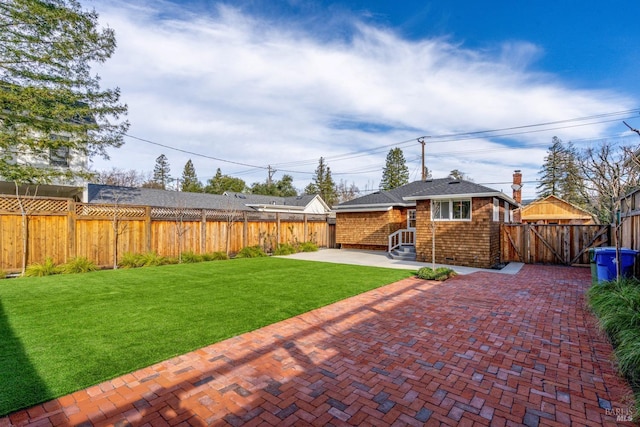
(551, 244)
(62, 229)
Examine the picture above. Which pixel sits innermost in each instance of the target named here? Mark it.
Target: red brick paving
(479, 349)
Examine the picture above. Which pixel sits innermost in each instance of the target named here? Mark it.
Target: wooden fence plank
(62, 229)
(551, 244)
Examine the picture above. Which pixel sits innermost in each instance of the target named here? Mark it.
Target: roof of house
(98, 193)
(406, 195)
(259, 199)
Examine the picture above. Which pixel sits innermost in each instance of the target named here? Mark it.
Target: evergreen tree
(161, 171)
(560, 175)
(189, 181)
(395, 173)
(323, 184)
(572, 188)
(282, 188)
(285, 186)
(221, 183)
(50, 102)
(551, 172)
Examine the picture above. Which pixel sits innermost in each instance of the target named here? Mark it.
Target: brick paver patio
(480, 349)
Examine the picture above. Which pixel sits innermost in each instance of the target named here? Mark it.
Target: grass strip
(63, 333)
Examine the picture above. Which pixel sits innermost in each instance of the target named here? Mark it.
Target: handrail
(402, 237)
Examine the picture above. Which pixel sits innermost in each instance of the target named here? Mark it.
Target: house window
(506, 211)
(411, 218)
(59, 156)
(496, 210)
(451, 210)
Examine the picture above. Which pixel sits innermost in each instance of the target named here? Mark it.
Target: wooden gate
(551, 244)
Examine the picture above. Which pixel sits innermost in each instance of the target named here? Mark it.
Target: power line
(194, 153)
(493, 133)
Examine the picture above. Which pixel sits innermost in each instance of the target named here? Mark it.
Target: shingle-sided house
(463, 216)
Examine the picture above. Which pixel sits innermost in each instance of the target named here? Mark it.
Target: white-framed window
(59, 156)
(411, 218)
(506, 211)
(451, 210)
(496, 210)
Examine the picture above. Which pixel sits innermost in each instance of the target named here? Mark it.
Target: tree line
(395, 173)
(322, 182)
(595, 178)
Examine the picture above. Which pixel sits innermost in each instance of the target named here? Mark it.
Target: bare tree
(181, 230)
(610, 175)
(25, 212)
(346, 191)
(118, 227)
(121, 177)
(230, 213)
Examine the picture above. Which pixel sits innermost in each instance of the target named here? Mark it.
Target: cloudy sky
(251, 84)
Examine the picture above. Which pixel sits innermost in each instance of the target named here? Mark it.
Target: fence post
(245, 230)
(277, 229)
(147, 220)
(71, 230)
(203, 232)
(305, 228)
(527, 247)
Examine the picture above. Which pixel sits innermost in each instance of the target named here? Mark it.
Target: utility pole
(422, 141)
(270, 172)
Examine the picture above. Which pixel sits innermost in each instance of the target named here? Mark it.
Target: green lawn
(63, 333)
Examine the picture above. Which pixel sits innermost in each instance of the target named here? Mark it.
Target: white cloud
(236, 87)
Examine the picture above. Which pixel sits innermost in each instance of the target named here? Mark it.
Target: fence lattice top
(110, 210)
(29, 204)
(45, 205)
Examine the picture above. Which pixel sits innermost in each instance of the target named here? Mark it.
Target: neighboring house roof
(42, 190)
(553, 208)
(406, 195)
(310, 203)
(97, 193)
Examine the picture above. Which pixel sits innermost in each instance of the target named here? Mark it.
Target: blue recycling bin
(605, 259)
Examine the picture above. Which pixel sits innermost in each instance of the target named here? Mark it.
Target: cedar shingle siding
(367, 222)
(474, 243)
(368, 230)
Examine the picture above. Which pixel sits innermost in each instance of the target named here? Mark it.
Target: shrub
(191, 257)
(308, 247)
(152, 259)
(617, 305)
(440, 273)
(149, 259)
(131, 260)
(47, 268)
(284, 249)
(78, 265)
(251, 252)
(3, 274)
(215, 256)
(170, 260)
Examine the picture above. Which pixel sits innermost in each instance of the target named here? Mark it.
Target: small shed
(554, 210)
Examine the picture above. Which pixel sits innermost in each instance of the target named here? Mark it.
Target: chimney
(517, 186)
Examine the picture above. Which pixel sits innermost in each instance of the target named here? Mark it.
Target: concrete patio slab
(478, 349)
(380, 259)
